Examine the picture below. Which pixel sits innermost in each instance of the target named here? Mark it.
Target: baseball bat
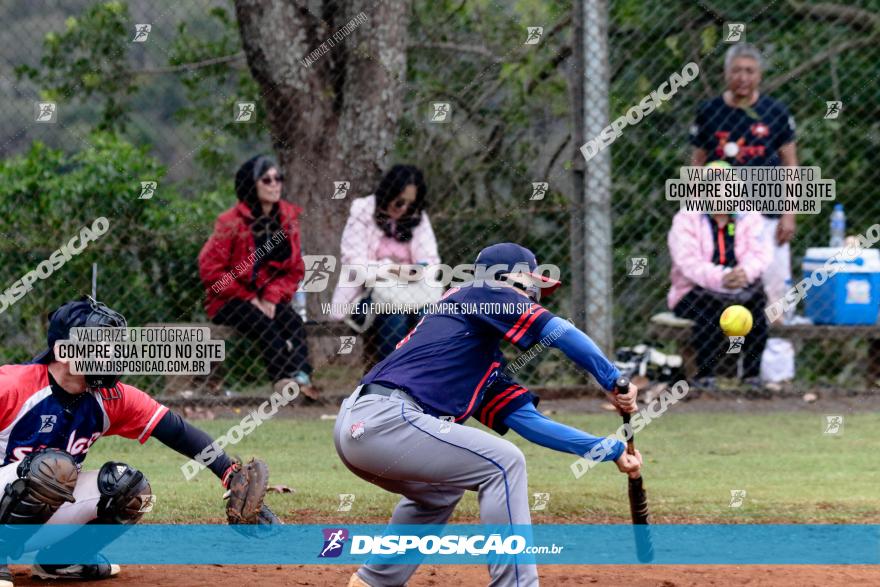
(638, 498)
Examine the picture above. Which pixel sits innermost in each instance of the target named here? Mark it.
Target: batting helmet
(517, 265)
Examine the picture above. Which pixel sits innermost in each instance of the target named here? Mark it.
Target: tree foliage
(147, 259)
(89, 58)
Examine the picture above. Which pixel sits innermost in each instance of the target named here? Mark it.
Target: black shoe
(101, 569)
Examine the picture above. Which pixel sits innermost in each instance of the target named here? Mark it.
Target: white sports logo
(47, 423)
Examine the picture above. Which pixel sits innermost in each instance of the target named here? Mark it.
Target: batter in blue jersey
(402, 427)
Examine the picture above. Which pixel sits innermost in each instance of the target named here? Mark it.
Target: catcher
(49, 418)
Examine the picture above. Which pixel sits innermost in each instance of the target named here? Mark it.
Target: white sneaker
(100, 570)
(5, 576)
(356, 581)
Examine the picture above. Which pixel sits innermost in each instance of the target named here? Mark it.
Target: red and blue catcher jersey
(33, 416)
(450, 362)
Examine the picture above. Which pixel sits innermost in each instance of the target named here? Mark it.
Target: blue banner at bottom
(745, 544)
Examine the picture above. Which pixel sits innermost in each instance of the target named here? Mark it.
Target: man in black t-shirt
(744, 127)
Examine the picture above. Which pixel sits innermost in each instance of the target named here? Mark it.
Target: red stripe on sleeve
(484, 412)
(513, 328)
(504, 403)
(527, 325)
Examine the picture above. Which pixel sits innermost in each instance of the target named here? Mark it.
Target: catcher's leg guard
(46, 480)
(125, 497)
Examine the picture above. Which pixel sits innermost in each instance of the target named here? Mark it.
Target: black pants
(705, 308)
(282, 340)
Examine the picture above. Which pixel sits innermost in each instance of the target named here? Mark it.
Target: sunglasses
(270, 179)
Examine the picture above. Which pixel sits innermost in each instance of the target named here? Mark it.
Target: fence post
(576, 223)
(597, 237)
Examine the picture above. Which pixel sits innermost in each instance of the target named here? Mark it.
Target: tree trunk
(333, 118)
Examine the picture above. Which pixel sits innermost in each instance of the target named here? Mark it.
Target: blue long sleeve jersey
(535, 427)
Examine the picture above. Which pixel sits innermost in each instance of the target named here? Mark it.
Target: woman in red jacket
(252, 266)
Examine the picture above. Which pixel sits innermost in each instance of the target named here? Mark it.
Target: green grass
(790, 470)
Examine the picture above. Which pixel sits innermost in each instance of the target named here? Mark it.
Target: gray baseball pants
(390, 442)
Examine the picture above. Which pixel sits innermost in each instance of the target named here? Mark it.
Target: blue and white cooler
(852, 295)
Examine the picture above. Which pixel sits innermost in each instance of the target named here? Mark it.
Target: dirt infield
(468, 576)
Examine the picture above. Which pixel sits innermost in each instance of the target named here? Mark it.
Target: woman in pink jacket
(389, 227)
(717, 261)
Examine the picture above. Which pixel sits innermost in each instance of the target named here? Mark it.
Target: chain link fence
(147, 130)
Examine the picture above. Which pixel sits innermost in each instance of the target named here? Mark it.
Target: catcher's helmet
(85, 311)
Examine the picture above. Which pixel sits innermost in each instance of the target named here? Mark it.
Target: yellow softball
(736, 321)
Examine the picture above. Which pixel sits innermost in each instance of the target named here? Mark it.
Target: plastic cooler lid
(867, 261)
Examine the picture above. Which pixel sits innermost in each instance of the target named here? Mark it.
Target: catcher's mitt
(246, 488)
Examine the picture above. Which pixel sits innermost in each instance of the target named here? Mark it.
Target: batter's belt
(376, 389)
